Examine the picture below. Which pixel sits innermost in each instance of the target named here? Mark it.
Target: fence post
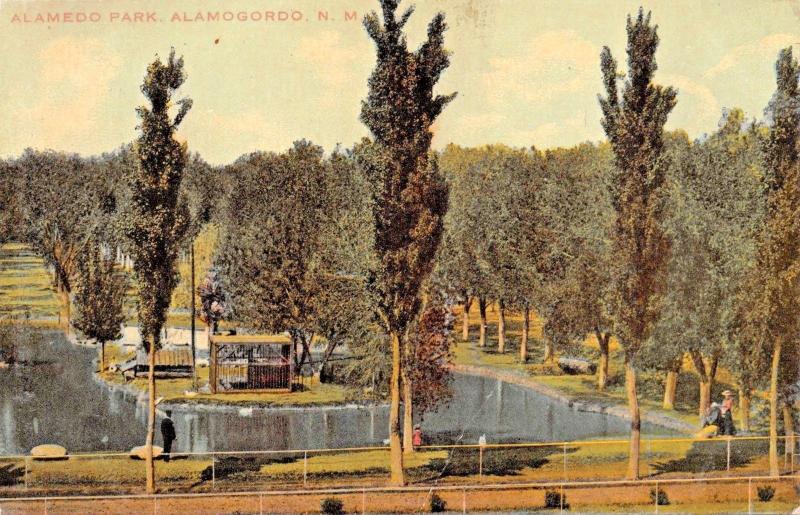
(480, 461)
(749, 495)
(261, 504)
(565, 462)
(305, 469)
(155, 505)
(26, 473)
(464, 501)
(729, 456)
(561, 500)
(656, 496)
(45, 505)
(213, 471)
(364, 500)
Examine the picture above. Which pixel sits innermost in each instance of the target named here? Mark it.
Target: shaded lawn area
(584, 387)
(26, 288)
(584, 461)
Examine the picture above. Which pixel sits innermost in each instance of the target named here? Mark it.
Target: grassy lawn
(583, 387)
(662, 460)
(360, 462)
(25, 285)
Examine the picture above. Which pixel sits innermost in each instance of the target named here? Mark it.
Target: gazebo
(251, 363)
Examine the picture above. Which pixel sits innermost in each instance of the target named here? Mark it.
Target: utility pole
(194, 314)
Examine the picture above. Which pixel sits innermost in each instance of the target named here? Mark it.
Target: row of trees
(676, 247)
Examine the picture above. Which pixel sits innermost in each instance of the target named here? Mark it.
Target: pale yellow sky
(527, 71)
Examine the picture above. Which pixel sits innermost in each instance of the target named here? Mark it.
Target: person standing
(417, 436)
(167, 434)
(727, 414)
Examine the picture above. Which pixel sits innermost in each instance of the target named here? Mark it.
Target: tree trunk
(501, 328)
(65, 311)
(465, 320)
(602, 370)
(482, 309)
(774, 471)
(705, 396)
(408, 415)
(396, 477)
(788, 429)
(526, 324)
(102, 357)
(151, 418)
(670, 388)
(548, 350)
(705, 383)
(208, 335)
(332, 343)
(744, 408)
(192, 325)
(636, 423)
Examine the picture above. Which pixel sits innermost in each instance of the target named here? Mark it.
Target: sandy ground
(693, 498)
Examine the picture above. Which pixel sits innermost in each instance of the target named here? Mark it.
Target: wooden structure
(169, 363)
(251, 363)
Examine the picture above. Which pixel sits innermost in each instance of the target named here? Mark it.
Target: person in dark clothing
(168, 434)
(727, 414)
(713, 417)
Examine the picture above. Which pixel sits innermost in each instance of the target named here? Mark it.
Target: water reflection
(60, 402)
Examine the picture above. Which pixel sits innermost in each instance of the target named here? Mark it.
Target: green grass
(350, 463)
(585, 461)
(25, 286)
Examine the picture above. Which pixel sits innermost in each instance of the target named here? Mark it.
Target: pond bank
(616, 410)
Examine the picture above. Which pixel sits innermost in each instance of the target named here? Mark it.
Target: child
(417, 437)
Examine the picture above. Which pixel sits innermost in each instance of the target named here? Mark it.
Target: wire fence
(360, 467)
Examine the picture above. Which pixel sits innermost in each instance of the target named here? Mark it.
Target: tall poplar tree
(634, 124)
(779, 252)
(158, 219)
(409, 192)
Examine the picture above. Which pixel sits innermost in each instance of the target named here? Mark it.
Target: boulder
(576, 366)
(48, 452)
(140, 452)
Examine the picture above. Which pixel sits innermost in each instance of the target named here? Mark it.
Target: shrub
(553, 499)
(545, 369)
(662, 499)
(437, 504)
(332, 506)
(765, 493)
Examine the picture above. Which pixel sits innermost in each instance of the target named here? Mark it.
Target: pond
(59, 401)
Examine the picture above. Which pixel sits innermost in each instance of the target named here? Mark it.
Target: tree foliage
(409, 193)
(158, 220)
(634, 123)
(99, 296)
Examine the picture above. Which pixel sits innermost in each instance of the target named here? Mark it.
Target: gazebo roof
(253, 339)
